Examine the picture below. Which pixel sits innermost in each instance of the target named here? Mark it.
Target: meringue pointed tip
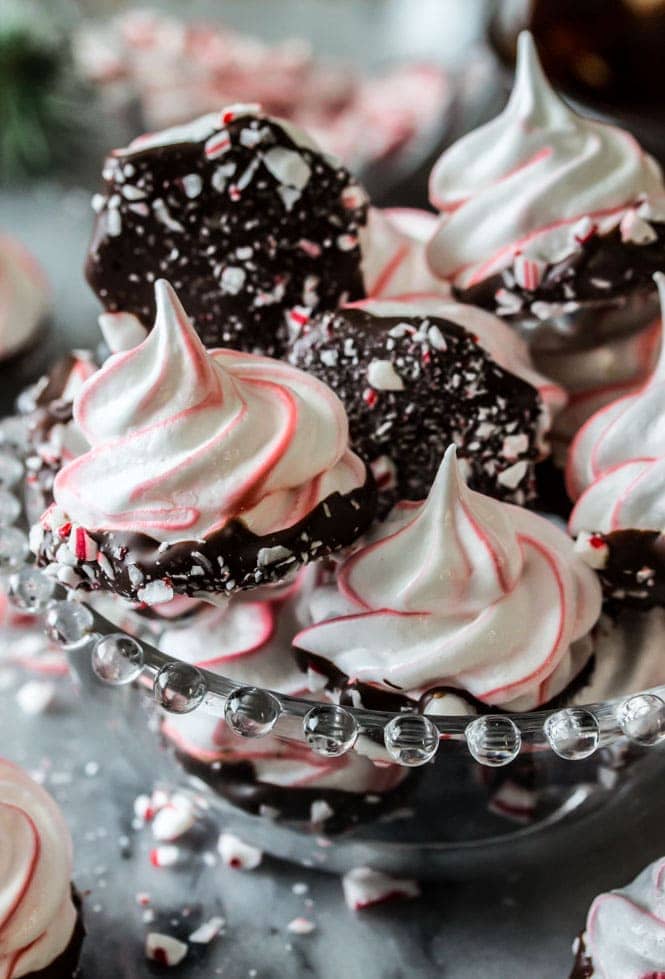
(448, 476)
(531, 82)
(165, 294)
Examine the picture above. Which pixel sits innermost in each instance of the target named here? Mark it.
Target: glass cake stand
(474, 794)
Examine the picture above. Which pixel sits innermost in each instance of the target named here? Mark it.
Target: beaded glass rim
(410, 739)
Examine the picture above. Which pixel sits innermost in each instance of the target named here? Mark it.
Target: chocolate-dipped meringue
(41, 929)
(208, 473)
(250, 642)
(616, 472)
(624, 936)
(459, 592)
(24, 297)
(545, 213)
(416, 375)
(255, 227)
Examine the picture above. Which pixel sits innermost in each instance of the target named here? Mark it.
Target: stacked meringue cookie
(41, 929)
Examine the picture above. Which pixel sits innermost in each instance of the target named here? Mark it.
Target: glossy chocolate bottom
(233, 559)
(583, 967)
(635, 570)
(239, 786)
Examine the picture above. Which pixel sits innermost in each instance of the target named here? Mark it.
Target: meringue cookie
(249, 642)
(463, 592)
(255, 226)
(628, 430)
(230, 463)
(38, 919)
(394, 263)
(24, 297)
(528, 180)
(625, 930)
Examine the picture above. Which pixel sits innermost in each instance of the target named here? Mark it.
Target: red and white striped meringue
(393, 253)
(184, 440)
(460, 591)
(37, 914)
(594, 378)
(501, 342)
(625, 928)
(616, 464)
(521, 183)
(250, 642)
(24, 296)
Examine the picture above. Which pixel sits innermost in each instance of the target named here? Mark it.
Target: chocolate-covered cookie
(254, 226)
(416, 377)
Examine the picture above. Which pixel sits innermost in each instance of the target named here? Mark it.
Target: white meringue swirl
(616, 463)
(37, 915)
(185, 440)
(460, 591)
(625, 928)
(24, 296)
(522, 182)
(394, 263)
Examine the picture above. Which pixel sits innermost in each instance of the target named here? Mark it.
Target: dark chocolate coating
(604, 270)
(394, 701)
(228, 560)
(457, 394)
(287, 253)
(66, 966)
(583, 966)
(238, 784)
(635, 570)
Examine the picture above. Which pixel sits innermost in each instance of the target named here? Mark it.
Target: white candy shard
(238, 854)
(364, 887)
(165, 949)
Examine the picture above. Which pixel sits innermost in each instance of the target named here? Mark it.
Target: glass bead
(68, 623)
(493, 740)
(30, 590)
(14, 549)
(642, 718)
(411, 739)
(179, 688)
(330, 730)
(117, 659)
(251, 712)
(573, 733)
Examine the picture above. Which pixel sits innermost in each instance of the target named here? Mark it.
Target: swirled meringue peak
(628, 429)
(535, 183)
(394, 263)
(24, 297)
(625, 931)
(460, 591)
(245, 454)
(37, 914)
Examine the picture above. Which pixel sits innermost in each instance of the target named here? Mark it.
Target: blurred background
(384, 84)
